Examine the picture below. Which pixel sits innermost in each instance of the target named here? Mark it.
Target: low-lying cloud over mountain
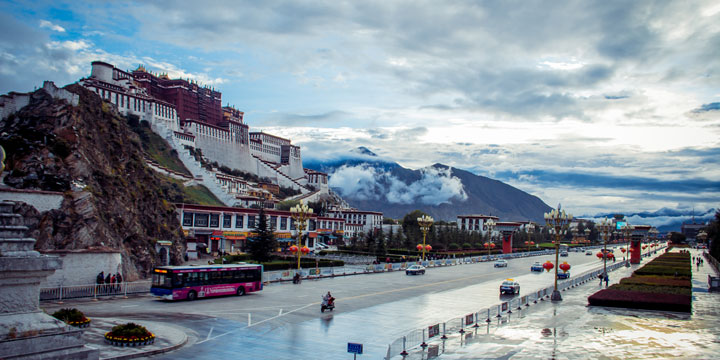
(366, 182)
(665, 219)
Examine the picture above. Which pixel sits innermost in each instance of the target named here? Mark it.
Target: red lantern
(610, 255)
(548, 266)
(644, 247)
(527, 242)
(492, 245)
(428, 247)
(623, 250)
(532, 243)
(305, 250)
(419, 247)
(486, 245)
(564, 266)
(600, 255)
(293, 249)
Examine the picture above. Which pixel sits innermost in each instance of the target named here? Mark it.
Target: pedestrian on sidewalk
(607, 280)
(600, 276)
(118, 280)
(99, 281)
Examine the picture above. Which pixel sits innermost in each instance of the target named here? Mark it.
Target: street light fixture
(425, 223)
(559, 221)
(605, 226)
(530, 228)
(300, 214)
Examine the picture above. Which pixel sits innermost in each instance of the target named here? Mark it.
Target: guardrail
(94, 290)
(420, 337)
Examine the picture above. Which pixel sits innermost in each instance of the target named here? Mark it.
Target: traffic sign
(355, 348)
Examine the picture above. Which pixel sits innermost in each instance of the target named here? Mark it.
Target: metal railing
(94, 290)
(420, 337)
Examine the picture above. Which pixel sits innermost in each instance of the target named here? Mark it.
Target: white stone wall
(82, 268)
(41, 200)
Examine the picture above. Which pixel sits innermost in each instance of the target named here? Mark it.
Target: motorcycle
(327, 305)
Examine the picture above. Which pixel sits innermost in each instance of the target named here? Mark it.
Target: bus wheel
(241, 290)
(192, 295)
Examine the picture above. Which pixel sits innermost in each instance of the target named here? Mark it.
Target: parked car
(509, 286)
(564, 253)
(589, 252)
(501, 263)
(537, 266)
(415, 270)
(564, 275)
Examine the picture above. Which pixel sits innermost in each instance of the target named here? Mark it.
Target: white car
(509, 286)
(501, 263)
(589, 252)
(415, 270)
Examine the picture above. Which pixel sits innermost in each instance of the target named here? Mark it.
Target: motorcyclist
(328, 299)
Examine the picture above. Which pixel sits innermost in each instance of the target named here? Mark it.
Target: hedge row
(641, 300)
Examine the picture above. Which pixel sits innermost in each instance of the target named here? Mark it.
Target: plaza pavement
(572, 330)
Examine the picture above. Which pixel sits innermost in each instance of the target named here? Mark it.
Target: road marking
(210, 333)
(257, 323)
(127, 306)
(280, 314)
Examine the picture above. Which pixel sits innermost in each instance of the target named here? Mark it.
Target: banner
(469, 319)
(504, 306)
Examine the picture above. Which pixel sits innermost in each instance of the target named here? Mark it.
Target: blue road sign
(354, 348)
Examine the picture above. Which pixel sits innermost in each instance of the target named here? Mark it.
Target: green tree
(713, 231)
(261, 246)
(677, 238)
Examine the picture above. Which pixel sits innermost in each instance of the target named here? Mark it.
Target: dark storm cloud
(611, 181)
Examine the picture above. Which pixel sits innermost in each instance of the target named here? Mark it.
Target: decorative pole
(628, 230)
(605, 226)
(425, 223)
(530, 228)
(300, 213)
(490, 226)
(559, 221)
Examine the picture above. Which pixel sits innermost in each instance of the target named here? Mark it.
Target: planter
(132, 341)
(85, 322)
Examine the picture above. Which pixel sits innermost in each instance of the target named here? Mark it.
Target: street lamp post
(425, 223)
(605, 225)
(300, 214)
(628, 230)
(559, 221)
(490, 227)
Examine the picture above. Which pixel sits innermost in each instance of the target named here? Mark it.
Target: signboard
(468, 319)
(504, 306)
(433, 330)
(355, 348)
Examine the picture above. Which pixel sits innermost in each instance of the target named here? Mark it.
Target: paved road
(283, 321)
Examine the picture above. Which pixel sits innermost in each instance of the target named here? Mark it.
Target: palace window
(187, 219)
(251, 221)
(239, 221)
(215, 220)
(201, 220)
(273, 222)
(227, 220)
(283, 223)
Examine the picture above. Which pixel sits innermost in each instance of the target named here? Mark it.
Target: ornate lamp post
(559, 221)
(605, 226)
(425, 223)
(300, 214)
(587, 235)
(628, 230)
(490, 227)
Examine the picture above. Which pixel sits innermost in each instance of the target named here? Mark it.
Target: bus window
(178, 280)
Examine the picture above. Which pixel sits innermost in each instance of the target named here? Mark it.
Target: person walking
(118, 280)
(107, 283)
(112, 283)
(99, 279)
(607, 279)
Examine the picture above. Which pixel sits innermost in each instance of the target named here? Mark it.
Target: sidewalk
(572, 330)
(167, 338)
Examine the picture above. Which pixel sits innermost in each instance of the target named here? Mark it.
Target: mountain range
(369, 182)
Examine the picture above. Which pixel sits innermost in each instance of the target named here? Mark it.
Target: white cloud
(366, 182)
(48, 25)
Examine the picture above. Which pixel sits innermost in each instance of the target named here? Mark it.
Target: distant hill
(369, 182)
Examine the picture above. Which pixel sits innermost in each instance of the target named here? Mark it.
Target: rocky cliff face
(112, 199)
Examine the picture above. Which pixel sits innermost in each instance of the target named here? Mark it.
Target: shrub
(641, 300)
(129, 330)
(453, 246)
(467, 246)
(70, 315)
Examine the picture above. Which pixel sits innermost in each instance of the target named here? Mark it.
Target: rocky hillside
(112, 199)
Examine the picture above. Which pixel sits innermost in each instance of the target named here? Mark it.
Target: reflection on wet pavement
(572, 330)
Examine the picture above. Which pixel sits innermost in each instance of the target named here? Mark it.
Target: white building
(358, 221)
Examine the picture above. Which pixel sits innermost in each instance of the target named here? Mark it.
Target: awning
(313, 235)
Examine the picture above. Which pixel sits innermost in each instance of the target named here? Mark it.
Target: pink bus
(192, 282)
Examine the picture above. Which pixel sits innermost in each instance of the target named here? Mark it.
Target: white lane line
(210, 333)
(127, 306)
(257, 323)
(280, 313)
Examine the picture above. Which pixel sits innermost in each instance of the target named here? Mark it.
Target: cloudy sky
(599, 105)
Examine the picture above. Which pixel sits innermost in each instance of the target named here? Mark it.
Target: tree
(411, 227)
(261, 246)
(713, 231)
(677, 238)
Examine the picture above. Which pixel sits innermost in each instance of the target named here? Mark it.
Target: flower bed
(129, 334)
(73, 317)
(641, 300)
(662, 284)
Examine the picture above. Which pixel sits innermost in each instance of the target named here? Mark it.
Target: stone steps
(11, 219)
(12, 231)
(13, 246)
(6, 207)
